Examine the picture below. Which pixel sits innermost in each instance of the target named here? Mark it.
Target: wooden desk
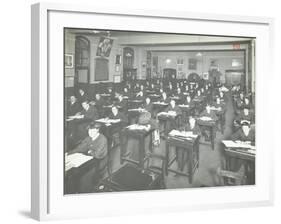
(246, 154)
(191, 145)
(168, 118)
(140, 135)
(108, 131)
(211, 126)
(187, 111)
(73, 176)
(134, 103)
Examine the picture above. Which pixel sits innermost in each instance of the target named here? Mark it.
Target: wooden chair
(227, 177)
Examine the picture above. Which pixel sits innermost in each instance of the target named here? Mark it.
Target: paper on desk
(216, 108)
(183, 105)
(137, 127)
(108, 121)
(205, 118)
(137, 109)
(160, 103)
(186, 134)
(76, 160)
(170, 113)
(232, 144)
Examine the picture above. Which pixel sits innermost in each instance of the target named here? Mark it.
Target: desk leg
(190, 165)
(141, 152)
(167, 158)
(213, 137)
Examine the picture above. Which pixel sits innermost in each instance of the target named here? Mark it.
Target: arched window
(82, 59)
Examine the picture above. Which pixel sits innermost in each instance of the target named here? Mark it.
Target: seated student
(245, 115)
(222, 96)
(111, 93)
(219, 104)
(198, 96)
(240, 101)
(170, 89)
(248, 104)
(88, 115)
(209, 113)
(95, 144)
(245, 134)
(89, 112)
(148, 106)
(73, 107)
(188, 101)
(164, 98)
(180, 95)
(82, 96)
(116, 114)
(99, 103)
(193, 127)
(140, 96)
(186, 88)
(122, 104)
(137, 87)
(172, 123)
(126, 92)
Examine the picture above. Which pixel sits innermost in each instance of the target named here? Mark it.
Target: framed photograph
(68, 61)
(97, 146)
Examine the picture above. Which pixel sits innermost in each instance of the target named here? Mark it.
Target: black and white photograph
(155, 111)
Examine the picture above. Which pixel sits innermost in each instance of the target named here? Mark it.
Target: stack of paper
(185, 134)
(76, 160)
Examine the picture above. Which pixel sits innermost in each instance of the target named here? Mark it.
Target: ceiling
(133, 38)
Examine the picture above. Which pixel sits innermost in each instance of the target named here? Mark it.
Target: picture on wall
(192, 64)
(68, 61)
(104, 47)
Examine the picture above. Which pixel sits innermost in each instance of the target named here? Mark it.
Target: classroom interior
(174, 111)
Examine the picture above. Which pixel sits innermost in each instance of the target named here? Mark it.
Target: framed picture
(74, 179)
(68, 60)
(192, 64)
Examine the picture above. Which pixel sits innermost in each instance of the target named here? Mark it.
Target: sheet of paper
(205, 118)
(232, 144)
(186, 134)
(136, 127)
(76, 160)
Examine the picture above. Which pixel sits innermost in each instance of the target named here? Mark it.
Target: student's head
(178, 90)
(208, 108)
(191, 121)
(246, 111)
(152, 85)
(93, 129)
(164, 95)
(110, 90)
(247, 101)
(206, 87)
(85, 105)
(72, 99)
(246, 127)
(221, 94)
(186, 87)
(188, 98)
(125, 90)
(173, 103)
(218, 100)
(147, 100)
(120, 97)
(202, 90)
(114, 110)
(141, 93)
(97, 96)
(81, 91)
(161, 90)
(142, 87)
(198, 93)
(241, 95)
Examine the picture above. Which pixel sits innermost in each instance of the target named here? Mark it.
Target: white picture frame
(47, 201)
